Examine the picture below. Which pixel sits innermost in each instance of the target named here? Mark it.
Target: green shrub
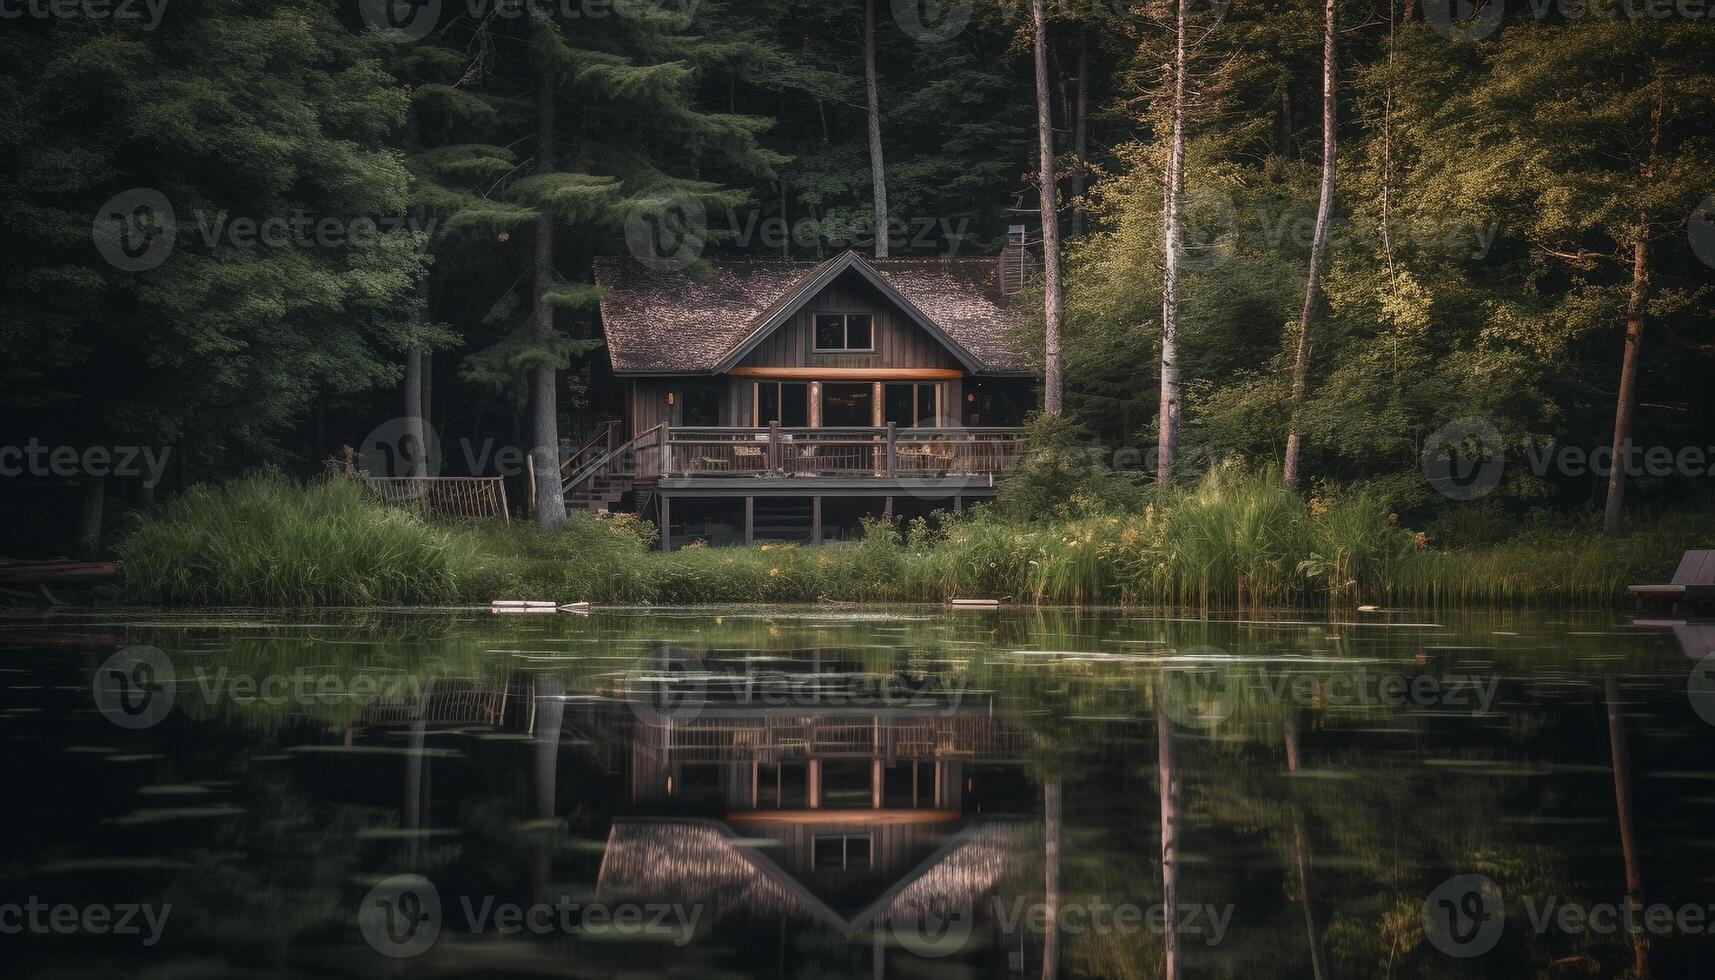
(1237, 537)
(266, 540)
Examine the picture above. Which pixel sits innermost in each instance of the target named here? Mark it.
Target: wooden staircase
(603, 471)
(600, 493)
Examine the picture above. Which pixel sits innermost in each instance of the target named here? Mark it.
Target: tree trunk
(1050, 205)
(416, 430)
(428, 388)
(1173, 186)
(1301, 859)
(1318, 244)
(1622, 765)
(1628, 385)
(1051, 879)
(1168, 776)
(1081, 134)
(550, 505)
(92, 501)
(877, 169)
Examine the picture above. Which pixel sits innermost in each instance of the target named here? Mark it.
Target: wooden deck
(858, 457)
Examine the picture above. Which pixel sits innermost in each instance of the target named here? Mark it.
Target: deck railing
(889, 451)
(457, 497)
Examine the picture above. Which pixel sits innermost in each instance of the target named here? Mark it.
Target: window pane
(702, 406)
(830, 331)
(857, 853)
(830, 853)
(858, 331)
(796, 408)
(925, 404)
(898, 407)
(767, 402)
(847, 404)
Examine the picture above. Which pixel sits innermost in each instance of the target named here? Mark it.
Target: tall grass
(1235, 538)
(267, 540)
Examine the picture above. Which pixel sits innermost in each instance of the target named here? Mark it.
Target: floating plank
(523, 606)
(974, 603)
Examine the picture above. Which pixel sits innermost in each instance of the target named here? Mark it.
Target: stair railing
(601, 464)
(600, 442)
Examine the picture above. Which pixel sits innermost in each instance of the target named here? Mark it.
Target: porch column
(749, 520)
(666, 523)
(815, 520)
(875, 783)
(813, 783)
(815, 404)
(958, 503)
(887, 508)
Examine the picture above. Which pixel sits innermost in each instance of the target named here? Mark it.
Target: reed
(1236, 538)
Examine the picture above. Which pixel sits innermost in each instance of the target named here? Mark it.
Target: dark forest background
(1491, 197)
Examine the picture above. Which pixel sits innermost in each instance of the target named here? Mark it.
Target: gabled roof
(660, 322)
(704, 861)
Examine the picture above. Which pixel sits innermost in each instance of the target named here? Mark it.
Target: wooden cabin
(771, 398)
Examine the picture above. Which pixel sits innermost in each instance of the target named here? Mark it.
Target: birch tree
(1318, 245)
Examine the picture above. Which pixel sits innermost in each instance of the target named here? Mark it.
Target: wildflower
(774, 572)
(1318, 507)
(1393, 520)
(1422, 538)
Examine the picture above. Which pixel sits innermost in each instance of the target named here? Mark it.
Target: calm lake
(850, 791)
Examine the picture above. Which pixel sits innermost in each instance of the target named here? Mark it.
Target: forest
(240, 235)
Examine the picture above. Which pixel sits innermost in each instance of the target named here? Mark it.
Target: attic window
(844, 332)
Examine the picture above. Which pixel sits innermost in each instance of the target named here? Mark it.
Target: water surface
(852, 791)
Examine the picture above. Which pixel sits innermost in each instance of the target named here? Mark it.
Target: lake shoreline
(1235, 541)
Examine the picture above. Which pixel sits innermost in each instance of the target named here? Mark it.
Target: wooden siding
(898, 342)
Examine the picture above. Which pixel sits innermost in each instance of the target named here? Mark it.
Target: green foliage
(1235, 538)
(265, 540)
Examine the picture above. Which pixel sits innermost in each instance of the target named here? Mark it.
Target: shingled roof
(662, 322)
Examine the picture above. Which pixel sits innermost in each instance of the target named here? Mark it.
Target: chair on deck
(1693, 582)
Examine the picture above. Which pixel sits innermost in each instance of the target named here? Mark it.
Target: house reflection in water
(804, 791)
(796, 798)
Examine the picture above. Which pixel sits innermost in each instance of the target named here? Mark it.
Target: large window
(786, 402)
(847, 404)
(845, 331)
(907, 405)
